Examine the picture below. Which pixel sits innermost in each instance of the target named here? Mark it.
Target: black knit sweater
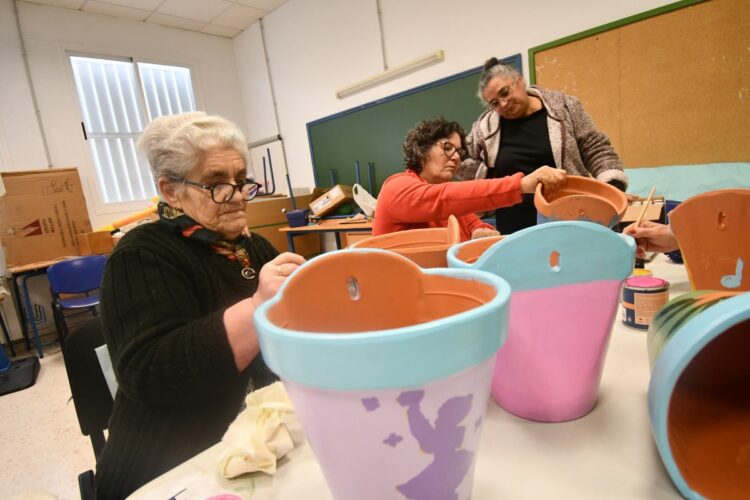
(163, 299)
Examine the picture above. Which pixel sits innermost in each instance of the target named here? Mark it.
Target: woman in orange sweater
(423, 196)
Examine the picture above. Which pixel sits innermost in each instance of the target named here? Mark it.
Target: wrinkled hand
(483, 232)
(550, 178)
(652, 237)
(273, 274)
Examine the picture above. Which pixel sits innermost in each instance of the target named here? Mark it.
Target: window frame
(88, 163)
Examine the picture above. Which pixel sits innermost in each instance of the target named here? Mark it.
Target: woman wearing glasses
(423, 195)
(178, 297)
(526, 128)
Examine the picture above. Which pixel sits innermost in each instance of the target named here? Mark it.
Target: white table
(607, 454)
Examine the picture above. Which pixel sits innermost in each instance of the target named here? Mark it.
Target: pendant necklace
(243, 258)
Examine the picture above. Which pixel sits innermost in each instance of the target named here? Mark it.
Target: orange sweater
(406, 201)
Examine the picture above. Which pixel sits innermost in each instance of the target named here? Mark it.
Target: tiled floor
(42, 449)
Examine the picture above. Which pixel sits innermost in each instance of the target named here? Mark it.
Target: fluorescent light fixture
(392, 73)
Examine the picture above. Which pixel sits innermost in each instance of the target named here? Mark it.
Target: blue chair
(74, 285)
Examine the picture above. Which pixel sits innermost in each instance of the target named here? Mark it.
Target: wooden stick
(645, 207)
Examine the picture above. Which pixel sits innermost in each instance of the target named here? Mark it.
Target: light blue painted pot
(388, 367)
(699, 399)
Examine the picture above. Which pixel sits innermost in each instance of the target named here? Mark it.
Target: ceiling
(226, 18)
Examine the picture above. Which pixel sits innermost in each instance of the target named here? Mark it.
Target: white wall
(48, 33)
(318, 46)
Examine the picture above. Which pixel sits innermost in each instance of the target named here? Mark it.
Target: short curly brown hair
(424, 134)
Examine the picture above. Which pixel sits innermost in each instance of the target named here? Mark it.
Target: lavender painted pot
(565, 278)
(388, 367)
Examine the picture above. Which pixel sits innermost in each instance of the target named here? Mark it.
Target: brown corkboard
(669, 89)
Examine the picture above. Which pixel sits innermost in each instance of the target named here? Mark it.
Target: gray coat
(577, 145)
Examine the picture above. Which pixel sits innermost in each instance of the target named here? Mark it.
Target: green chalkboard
(374, 132)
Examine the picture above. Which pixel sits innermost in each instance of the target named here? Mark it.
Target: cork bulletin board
(670, 86)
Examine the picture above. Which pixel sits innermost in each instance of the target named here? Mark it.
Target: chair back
(91, 396)
(77, 275)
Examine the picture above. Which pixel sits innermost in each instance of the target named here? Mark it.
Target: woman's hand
(550, 178)
(652, 237)
(273, 274)
(238, 319)
(483, 232)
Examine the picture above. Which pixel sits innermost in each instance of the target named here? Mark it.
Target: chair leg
(30, 314)
(56, 315)
(86, 485)
(7, 337)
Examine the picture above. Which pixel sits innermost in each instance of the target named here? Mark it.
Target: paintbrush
(645, 207)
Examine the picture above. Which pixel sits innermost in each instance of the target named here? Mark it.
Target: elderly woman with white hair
(178, 297)
(525, 128)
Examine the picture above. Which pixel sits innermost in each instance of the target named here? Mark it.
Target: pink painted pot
(565, 279)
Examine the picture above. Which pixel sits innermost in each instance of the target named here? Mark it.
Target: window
(117, 97)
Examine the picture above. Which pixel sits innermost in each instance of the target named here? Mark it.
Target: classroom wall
(48, 32)
(316, 47)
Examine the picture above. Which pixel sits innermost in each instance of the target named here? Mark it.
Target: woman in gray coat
(525, 128)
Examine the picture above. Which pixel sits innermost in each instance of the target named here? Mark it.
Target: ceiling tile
(135, 4)
(213, 29)
(68, 4)
(199, 10)
(267, 5)
(176, 22)
(116, 10)
(238, 16)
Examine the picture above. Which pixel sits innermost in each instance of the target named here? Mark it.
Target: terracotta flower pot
(388, 367)
(582, 199)
(426, 247)
(700, 391)
(712, 230)
(565, 279)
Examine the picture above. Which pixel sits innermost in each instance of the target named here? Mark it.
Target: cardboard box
(332, 198)
(96, 243)
(265, 217)
(42, 215)
(653, 212)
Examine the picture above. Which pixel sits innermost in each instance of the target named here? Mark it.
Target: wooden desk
(609, 453)
(25, 319)
(335, 226)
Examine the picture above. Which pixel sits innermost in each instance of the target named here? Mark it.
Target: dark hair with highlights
(424, 134)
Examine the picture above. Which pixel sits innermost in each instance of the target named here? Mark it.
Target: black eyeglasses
(222, 192)
(449, 149)
(502, 96)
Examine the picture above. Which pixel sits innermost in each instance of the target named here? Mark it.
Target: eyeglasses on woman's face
(503, 96)
(449, 149)
(223, 192)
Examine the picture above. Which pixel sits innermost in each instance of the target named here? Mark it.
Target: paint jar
(642, 298)
(297, 218)
(698, 394)
(641, 272)
(566, 279)
(388, 367)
